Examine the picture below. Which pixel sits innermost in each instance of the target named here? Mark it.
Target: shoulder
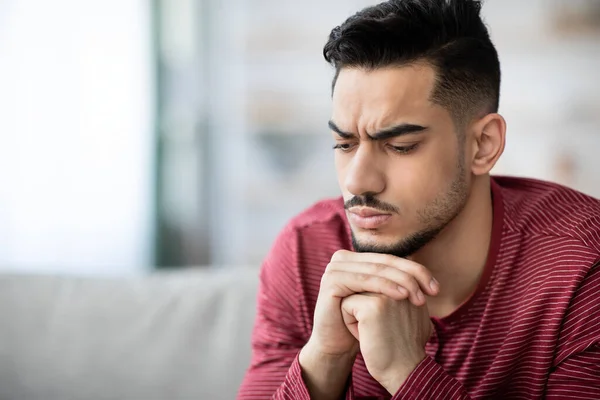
(320, 230)
(302, 250)
(315, 232)
(319, 215)
(548, 210)
(580, 322)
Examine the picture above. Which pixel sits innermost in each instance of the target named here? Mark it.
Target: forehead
(383, 96)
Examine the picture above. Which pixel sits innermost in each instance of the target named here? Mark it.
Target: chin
(397, 244)
(388, 233)
(375, 238)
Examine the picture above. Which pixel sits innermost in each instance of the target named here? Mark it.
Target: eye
(404, 149)
(345, 147)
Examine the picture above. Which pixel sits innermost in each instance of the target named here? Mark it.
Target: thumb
(348, 307)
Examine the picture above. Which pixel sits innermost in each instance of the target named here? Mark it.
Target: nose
(363, 174)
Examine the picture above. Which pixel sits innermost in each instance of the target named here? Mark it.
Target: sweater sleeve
(576, 369)
(277, 336)
(279, 331)
(430, 381)
(577, 377)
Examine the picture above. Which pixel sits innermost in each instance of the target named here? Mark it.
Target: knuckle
(339, 255)
(389, 259)
(423, 271)
(391, 285)
(333, 266)
(409, 282)
(419, 271)
(362, 277)
(326, 277)
(378, 268)
(388, 284)
(329, 267)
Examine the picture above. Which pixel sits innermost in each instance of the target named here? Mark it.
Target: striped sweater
(530, 330)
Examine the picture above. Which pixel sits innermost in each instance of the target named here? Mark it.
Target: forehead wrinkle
(375, 100)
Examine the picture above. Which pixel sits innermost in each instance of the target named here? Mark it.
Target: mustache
(371, 202)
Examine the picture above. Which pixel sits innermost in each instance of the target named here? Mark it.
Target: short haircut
(449, 35)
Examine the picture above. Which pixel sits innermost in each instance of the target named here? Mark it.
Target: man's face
(399, 160)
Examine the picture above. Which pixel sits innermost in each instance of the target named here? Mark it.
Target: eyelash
(405, 149)
(398, 149)
(341, 147)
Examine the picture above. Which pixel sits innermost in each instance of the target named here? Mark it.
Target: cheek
(418, 180)
(409, 185)
(442, 169)
(341, 163)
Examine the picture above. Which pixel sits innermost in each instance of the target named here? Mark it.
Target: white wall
(268, 73)
(550, 94)
(76, 104)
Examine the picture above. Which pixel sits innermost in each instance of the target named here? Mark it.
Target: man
(429, 279)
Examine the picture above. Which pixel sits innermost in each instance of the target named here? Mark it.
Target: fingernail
(402, 291)
(434, 285)
(420, 296)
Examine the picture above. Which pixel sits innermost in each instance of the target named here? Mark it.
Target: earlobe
(490, 135)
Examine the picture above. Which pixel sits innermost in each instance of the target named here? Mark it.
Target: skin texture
(427, 257)
(427, 185)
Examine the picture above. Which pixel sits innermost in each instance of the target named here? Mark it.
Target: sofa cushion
(183, 335)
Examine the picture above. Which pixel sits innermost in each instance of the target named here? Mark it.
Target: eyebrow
(395, 131)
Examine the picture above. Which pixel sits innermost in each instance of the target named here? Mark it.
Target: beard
(435, 216)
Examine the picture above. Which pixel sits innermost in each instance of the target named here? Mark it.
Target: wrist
(325, 375)
(312, 351)
(398, 375)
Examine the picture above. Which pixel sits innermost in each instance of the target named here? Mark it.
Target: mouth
(367, 218)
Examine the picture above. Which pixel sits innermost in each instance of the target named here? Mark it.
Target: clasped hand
(375, 303)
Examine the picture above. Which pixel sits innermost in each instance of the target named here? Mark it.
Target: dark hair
(447, 34)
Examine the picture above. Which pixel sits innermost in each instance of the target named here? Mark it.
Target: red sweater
(531, 329)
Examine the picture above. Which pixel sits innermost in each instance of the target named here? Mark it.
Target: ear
(489, 134)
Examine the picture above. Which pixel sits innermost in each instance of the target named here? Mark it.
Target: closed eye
(404, 149)
(343, 147)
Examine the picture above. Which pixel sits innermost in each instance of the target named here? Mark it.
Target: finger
(348, 307)
(423, 276)
(342, 255)
(358, 307)
(401, 278)
(343, 284)
(349, 319)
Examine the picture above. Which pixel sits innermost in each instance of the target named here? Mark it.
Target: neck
(458, 255)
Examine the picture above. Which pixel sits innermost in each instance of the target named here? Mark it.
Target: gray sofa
(166, 336)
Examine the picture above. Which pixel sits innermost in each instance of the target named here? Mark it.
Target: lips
(367, 218)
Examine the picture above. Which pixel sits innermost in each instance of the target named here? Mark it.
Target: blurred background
(140, 135)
